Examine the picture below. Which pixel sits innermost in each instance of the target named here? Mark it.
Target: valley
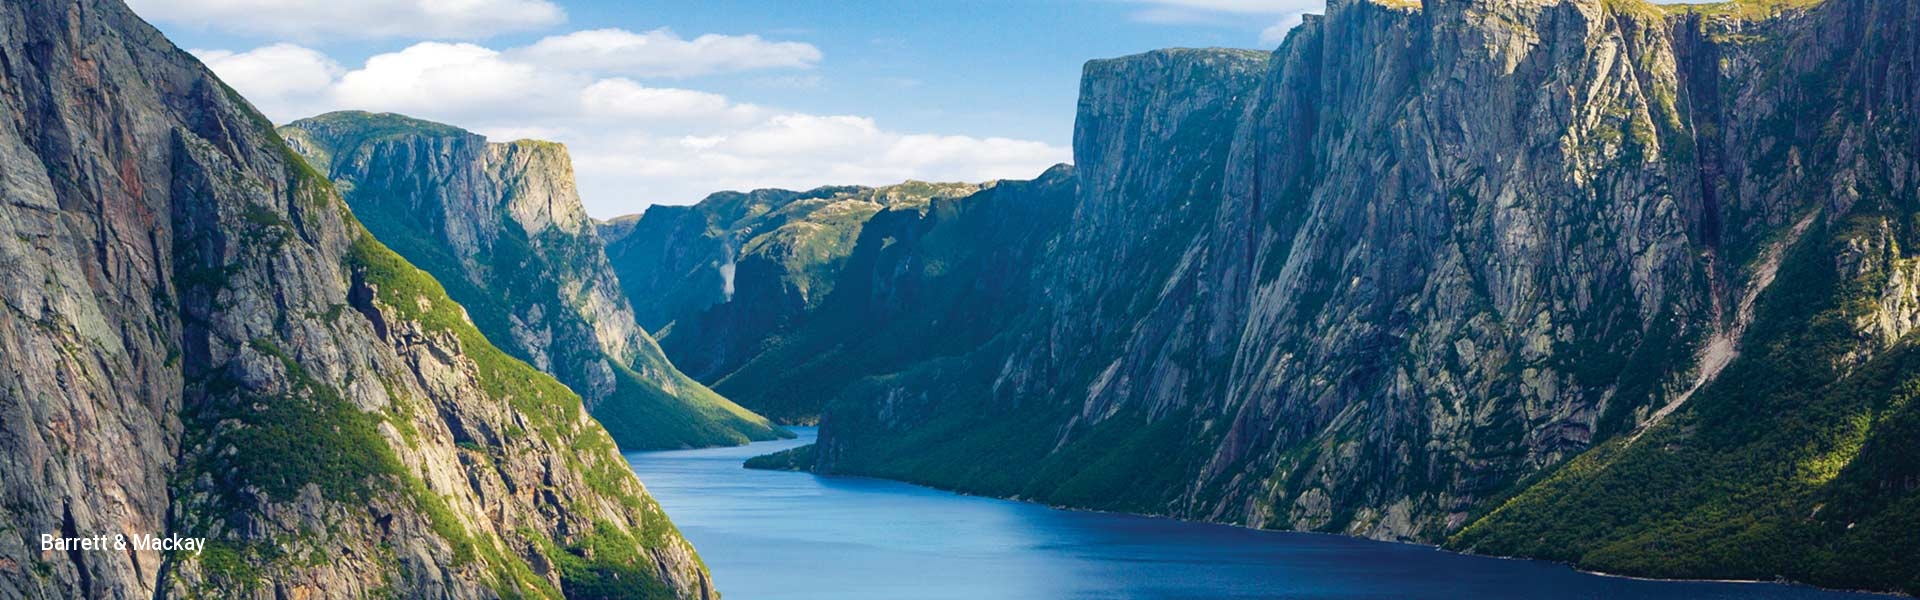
(1439, 299)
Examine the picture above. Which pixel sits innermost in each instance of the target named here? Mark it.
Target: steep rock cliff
(1797, 460)
(724, 280)
(200, 340)
(1409, 265)
(502, 225)
(997, 420)
(924, 283)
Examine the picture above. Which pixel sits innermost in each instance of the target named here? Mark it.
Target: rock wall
(202, 341)
(726, 280)
(503, 224)
(1417, 259)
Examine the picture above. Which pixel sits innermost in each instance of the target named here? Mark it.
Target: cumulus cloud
(1284, 14)
(278, 72)
(1276, 33)
(458, 81)
(314, 19)
(634, 143)
(661, 53)
(623, 98)
(1239, 7)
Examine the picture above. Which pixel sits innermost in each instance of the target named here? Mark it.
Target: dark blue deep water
(779, 535)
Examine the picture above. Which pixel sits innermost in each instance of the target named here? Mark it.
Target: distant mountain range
(728, 282)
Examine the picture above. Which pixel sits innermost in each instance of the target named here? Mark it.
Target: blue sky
(984, 68)
(777, 93)
(665, 102)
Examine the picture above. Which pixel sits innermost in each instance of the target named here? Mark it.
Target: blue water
(780, 535)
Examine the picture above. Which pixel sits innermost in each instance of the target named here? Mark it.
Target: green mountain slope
(923, 282)
(1798, 460)
(732, 277)
(1603, 282)
(200, 340)
(502, 225)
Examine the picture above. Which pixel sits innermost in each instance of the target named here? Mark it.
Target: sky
(664, 102)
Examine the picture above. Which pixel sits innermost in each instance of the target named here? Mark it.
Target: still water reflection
(778, 535)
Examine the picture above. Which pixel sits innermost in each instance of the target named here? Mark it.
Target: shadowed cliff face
(1412, 263)
(502, 224)
(201, 340)
(924, 283)
(726, 280)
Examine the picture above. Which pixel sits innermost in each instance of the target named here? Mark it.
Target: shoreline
(1428, 546)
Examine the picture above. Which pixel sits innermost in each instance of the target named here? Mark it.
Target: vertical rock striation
(502, 224)
(729, 279)
(1391, 279)
(200, 340)
(924, 283)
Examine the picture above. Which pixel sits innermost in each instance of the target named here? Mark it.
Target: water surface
(780, 535)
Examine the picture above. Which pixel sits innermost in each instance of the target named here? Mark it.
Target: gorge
(1599, 282)
(1613, 284)
(797, 536)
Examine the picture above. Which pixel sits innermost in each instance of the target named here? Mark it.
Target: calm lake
(779, 535)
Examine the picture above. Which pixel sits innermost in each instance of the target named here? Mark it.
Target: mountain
(502, 226)
(1597, 281)
(725, 279)
(923, 282)
(201, 340)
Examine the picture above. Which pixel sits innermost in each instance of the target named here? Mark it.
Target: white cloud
(314, 19)
(274, 73)
(1176, 15)
(1276, 33)
(458, 81)
(633, 144)
(1245, 7)
(661, 53)
(623, 98)
(801, 133)
(1008, 157)
(1229, 13)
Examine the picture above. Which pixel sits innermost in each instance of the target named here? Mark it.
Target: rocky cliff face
(1788, 451)
(201, 340)
(924, 283)
(726, 279)
(1420, 257)
(502, 224)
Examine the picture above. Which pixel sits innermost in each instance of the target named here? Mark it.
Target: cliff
(723, 281)
(923, 283)
(201, 340)
(1604, 282)
(502, 225)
